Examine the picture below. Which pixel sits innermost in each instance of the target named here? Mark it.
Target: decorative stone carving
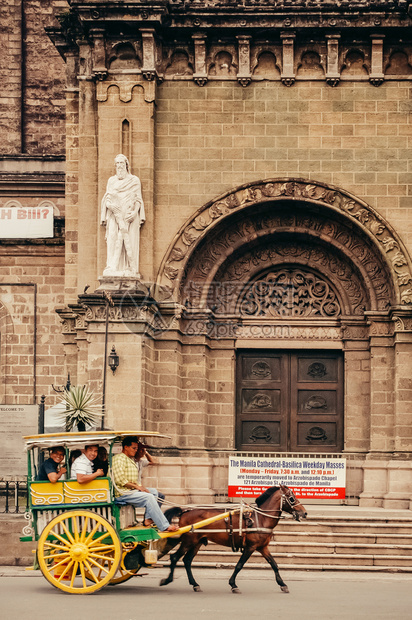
(316, 402)
(317, 370)
(261, 401)
(288, 69)
(149, 54)
(381, 328)
(376, 75)
(99, 55)
(332, 73)
(403, 323)
(290, 292)
(261, 369)
(125, 89)
(260, 433)
(200, 74)
(316, 434)
(235, 266)
(244, 76)
(355, 332)
(122, 212)
(364, 217)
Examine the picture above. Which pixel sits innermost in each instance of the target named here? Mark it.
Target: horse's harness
(247, 520)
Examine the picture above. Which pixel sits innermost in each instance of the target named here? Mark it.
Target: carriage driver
(127, 489)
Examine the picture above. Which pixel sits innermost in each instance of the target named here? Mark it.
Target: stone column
(376, 75)
(332, 74)
(244, 76)
(88, 156)
(288, 58)
(72, 170)
(357, 397)
(200, 74)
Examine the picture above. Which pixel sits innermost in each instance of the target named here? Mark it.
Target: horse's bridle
(292, 502)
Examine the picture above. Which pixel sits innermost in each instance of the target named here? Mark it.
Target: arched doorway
(309, 277)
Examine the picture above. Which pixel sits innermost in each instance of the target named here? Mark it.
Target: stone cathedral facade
(274, 309)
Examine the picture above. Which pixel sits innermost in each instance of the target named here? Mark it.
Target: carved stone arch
(247, 243)
(350, 227)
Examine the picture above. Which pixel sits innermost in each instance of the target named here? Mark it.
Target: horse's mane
(262, 498)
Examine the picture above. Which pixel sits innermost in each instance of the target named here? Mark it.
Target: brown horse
(255, 534)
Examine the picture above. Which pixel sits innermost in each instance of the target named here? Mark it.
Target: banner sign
(314, 478)
(15, 421)
(26, 222)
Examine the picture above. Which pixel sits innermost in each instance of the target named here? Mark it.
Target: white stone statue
(122, 214)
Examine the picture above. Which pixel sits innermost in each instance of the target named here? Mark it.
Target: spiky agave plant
(81, 408)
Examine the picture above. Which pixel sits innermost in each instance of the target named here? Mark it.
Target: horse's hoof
(236, 591)
(285, 589)
(163, 582)
(197, 588)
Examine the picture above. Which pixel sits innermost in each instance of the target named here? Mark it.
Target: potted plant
(81, 408)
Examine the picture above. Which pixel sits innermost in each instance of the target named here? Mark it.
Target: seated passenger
(74, 454)
(101, 462)
(82, 468)
(127, 489)
(49, 469)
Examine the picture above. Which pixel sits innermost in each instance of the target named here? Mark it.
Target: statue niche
(310, 66)
(266, 66)
(124, 57)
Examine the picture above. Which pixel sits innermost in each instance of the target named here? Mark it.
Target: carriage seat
(128, 515)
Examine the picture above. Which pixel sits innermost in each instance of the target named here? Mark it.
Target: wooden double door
(289, 401)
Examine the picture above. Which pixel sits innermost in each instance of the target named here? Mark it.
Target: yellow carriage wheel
(123, 575)
(77, 546)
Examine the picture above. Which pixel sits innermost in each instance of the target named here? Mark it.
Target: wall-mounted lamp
(113, 360)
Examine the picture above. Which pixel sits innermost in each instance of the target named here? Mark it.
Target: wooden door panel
(262, 402)
(316, 402)
(261, 368)
(316, 435)
(289, 401)
(317, 369)
(316, 415)
(265, 435)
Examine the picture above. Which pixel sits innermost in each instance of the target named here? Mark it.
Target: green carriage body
(63, 512)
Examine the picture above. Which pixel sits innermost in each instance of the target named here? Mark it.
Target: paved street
(314, 596)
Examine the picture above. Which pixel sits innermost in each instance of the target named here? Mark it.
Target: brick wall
(32, 76)
(44, 267)
(211, 139)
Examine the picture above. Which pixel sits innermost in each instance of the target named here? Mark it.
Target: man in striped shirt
(128, 490)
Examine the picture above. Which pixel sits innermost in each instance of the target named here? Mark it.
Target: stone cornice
(245, 14)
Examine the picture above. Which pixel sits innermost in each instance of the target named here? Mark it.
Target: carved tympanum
(290, 292)
(387, 257)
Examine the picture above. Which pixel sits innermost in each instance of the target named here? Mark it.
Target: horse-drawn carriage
(85, 541)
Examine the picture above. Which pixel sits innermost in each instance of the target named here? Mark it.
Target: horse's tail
(172, 513)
